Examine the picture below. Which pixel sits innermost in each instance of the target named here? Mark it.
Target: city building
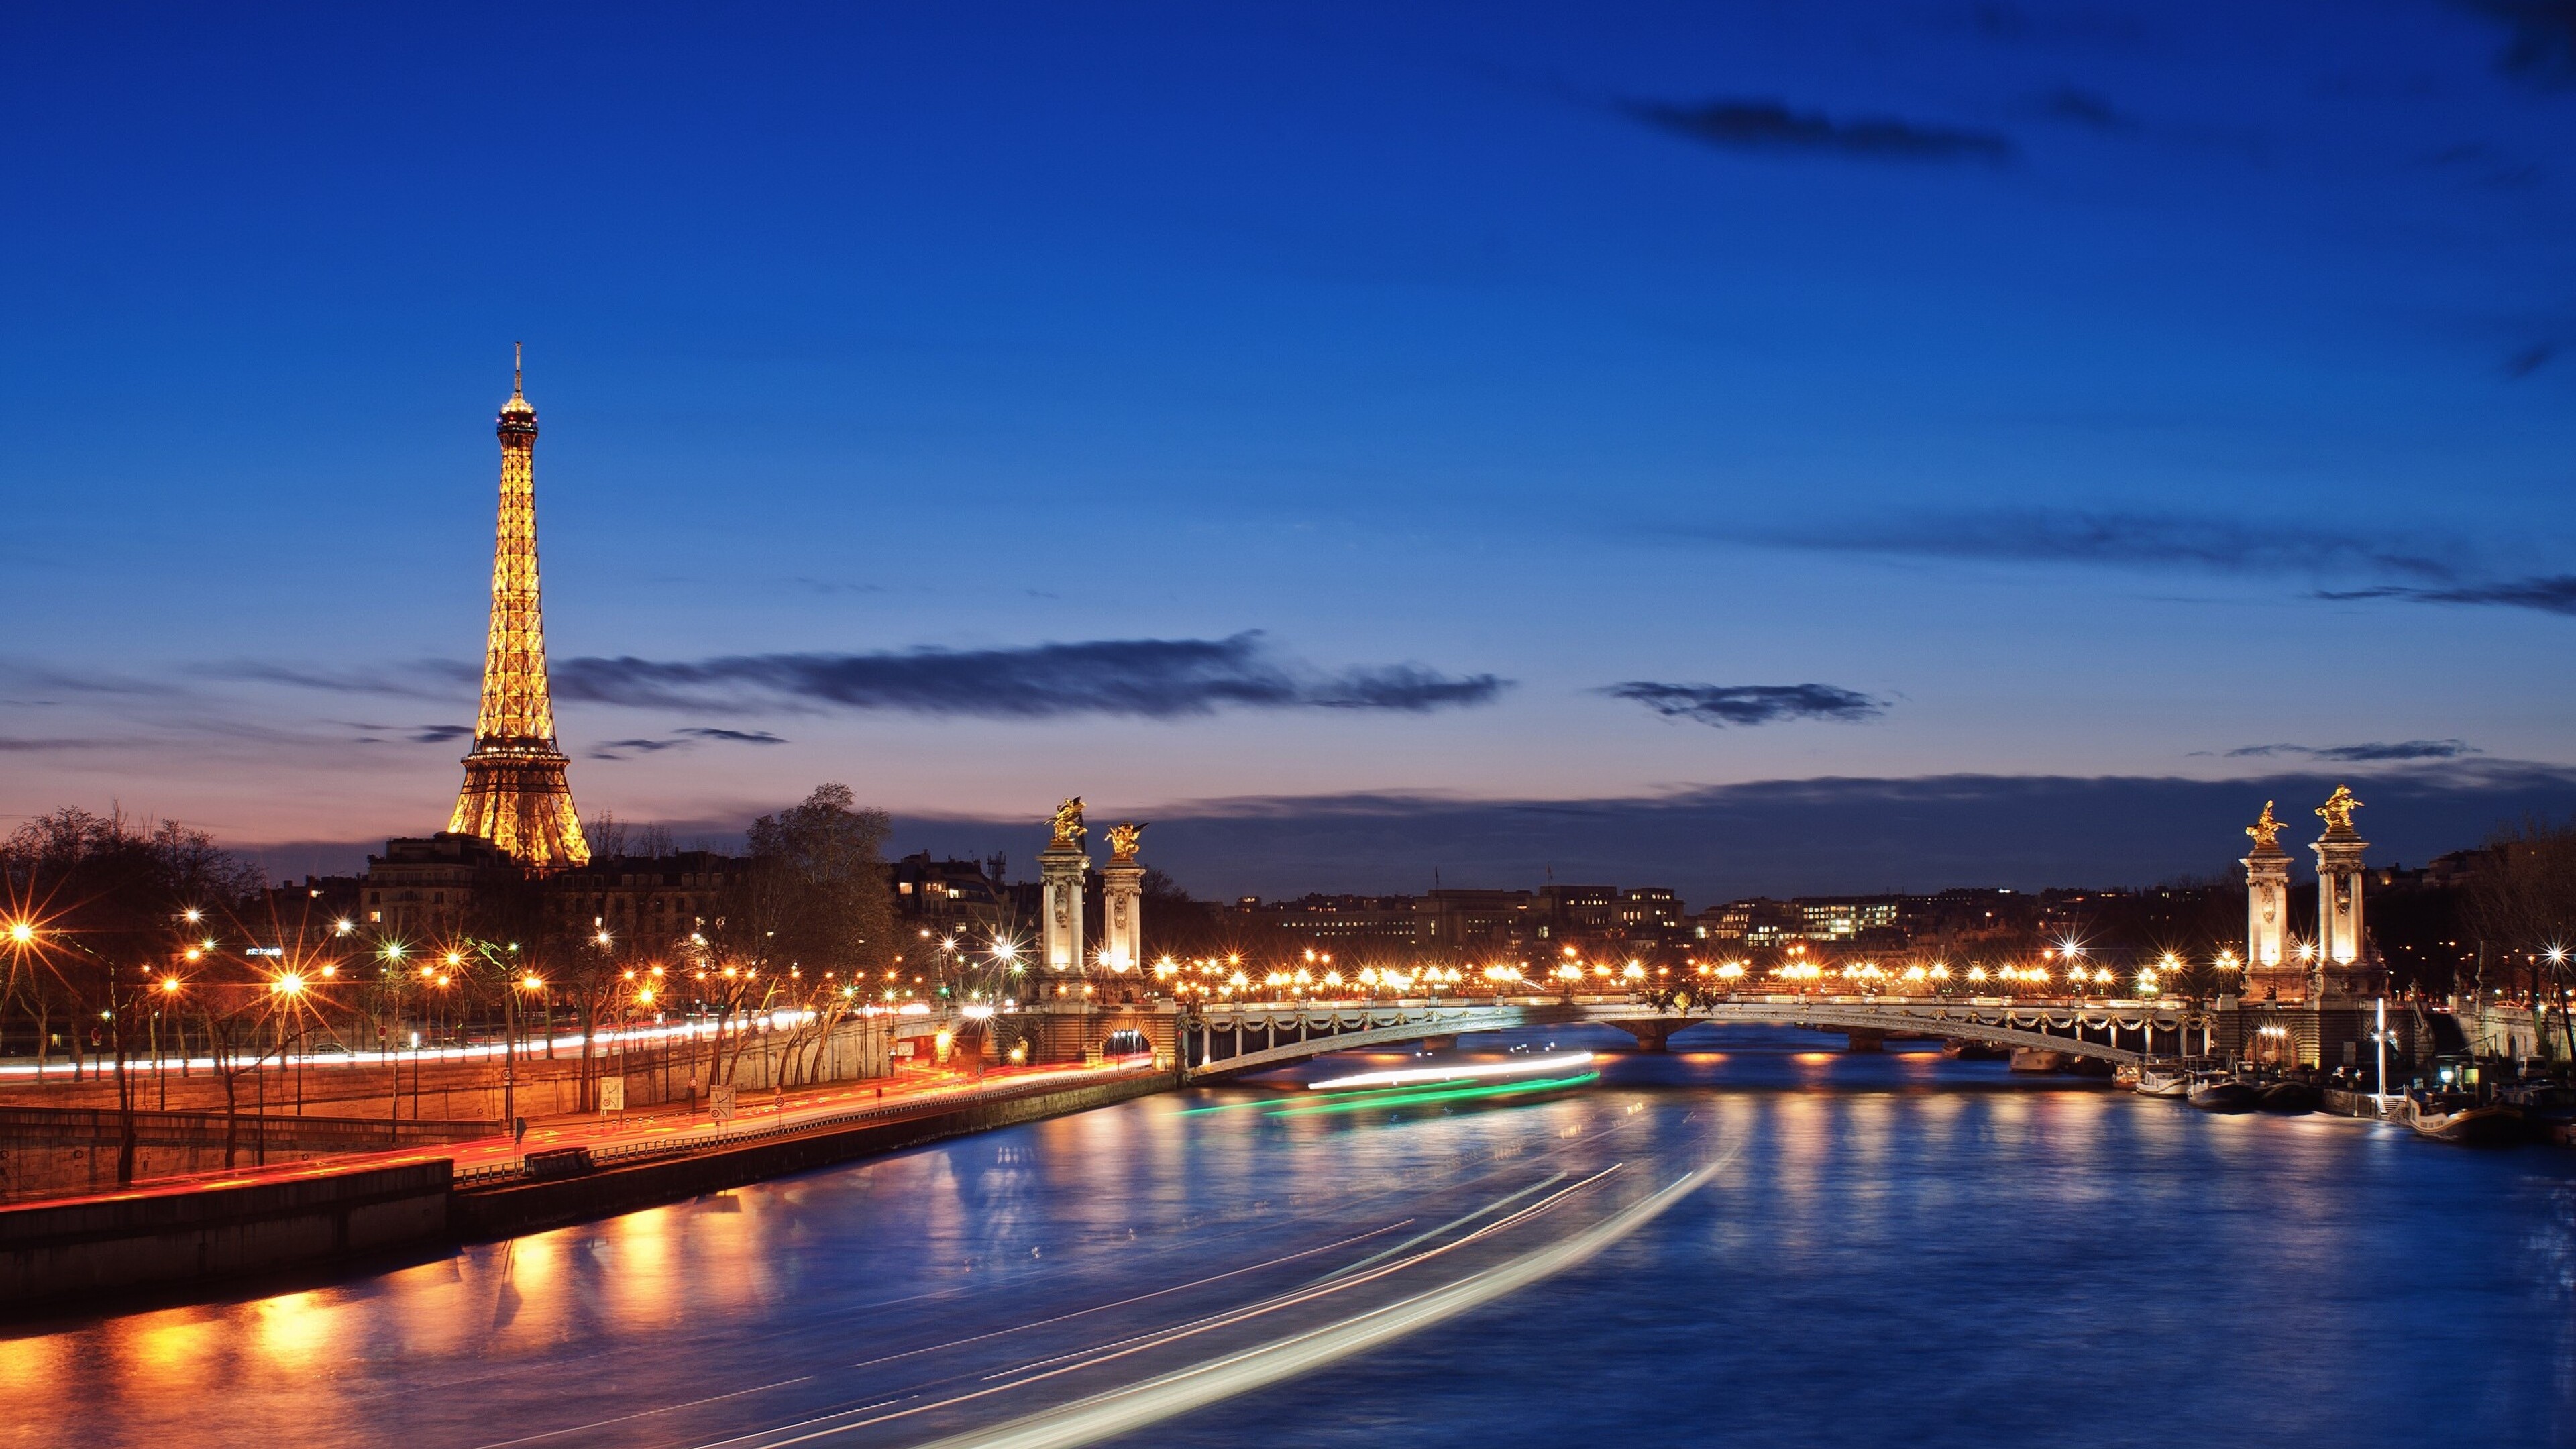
(1344, 921)
(940, 896)
(1650, 911)
(1576, 912)
(650, 903)
(424, 887)
(1477, 920)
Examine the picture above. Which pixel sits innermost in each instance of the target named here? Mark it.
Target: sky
(1759, 447)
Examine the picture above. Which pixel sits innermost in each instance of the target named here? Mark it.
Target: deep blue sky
(1603, 406)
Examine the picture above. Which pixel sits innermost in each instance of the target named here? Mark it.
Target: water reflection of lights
(172, 1351)
(294, 1329)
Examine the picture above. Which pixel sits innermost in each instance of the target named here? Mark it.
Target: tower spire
(515, 794)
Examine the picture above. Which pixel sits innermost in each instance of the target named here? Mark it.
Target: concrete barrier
(483, 1213)
(60, 1256)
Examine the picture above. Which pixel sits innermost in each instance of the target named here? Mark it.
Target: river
(1755, 1239)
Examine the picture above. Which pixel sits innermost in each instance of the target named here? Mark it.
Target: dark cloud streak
(1720, 705)
(2046, 535)
(1766, 125)
(2375, 752)
(2546, 593)
(2542, 49)
(682, 739)
(1149, 678)
(2084, 108)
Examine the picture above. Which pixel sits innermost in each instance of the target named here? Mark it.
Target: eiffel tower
(515, 794)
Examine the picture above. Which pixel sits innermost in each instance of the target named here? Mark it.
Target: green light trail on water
(1412, 1096)
(1274, 1101)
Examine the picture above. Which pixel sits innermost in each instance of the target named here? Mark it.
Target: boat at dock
(2288, 1097)
(2463, 1120)
(2218, 1092)
(2163, 1082)
(2548, 1111)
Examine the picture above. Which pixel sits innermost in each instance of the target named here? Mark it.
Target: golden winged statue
(2337, 811)
(1068, 824)
(2265, 830)
(1123, 838)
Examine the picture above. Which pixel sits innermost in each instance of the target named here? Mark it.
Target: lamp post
(2379, 1070)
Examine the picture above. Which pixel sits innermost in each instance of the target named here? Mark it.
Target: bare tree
(2525, 902)
(109, 905)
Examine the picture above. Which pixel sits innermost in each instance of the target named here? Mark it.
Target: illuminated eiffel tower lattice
(515, 794)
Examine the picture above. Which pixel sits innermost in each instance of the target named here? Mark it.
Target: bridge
(1223, 1040)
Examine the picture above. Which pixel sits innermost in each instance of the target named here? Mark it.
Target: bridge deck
(1223, 1039)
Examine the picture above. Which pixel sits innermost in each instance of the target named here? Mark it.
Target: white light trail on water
(841, 1421)
(1463, 1071)
(1125, 1410)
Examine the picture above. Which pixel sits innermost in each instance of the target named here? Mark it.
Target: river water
(1750, 1240)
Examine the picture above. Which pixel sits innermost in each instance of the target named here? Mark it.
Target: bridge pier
(1866, 1041)
(1652, 1036)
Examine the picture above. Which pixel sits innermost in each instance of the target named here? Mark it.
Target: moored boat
(2037, 1059)
(2288, 1097)
(2465, 1121)
(2548, 1110)
(2163, 1082)
(2217, 1093)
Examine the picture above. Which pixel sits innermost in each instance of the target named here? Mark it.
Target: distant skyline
(1779, 450)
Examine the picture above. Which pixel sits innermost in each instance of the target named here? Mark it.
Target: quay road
(669, 1127)
(1234, 1037)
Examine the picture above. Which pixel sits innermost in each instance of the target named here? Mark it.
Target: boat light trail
(1125, 1410)
(1462, 1092)
(1460, 1071)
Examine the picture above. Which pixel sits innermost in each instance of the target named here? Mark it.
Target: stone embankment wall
(60, 1257)
(505, 1211)
(2513, 1031)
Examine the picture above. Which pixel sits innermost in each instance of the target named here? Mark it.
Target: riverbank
(58, 1256)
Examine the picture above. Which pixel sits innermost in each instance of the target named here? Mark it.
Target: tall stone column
(2340, 945)
(1122, 902)
(1061, 868)
(2267, 909)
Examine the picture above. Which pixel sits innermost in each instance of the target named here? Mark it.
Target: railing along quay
(633, 1152)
